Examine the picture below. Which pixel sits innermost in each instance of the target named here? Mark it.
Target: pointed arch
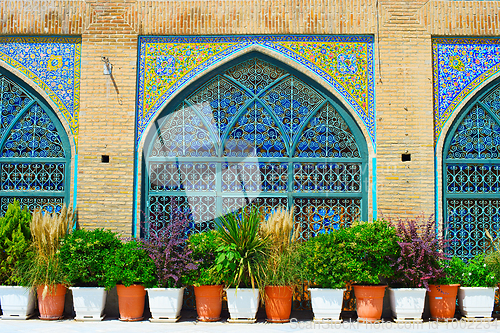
(471, 174)
(35, 151)
(258, 109)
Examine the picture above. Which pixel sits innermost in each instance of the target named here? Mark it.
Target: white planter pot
(89, 303)
(17, 302)
(242, 303)
(407, 303)
(326, 303)
(476, 302)
(165, 303)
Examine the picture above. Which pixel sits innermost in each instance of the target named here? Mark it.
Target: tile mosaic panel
(53, 64)
(166, 64)
(460, 65)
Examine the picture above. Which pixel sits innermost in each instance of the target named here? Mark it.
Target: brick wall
(403, 75)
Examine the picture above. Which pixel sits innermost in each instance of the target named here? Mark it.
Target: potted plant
(476, 295)
(42, 270)
(324, 267)
(243, 252)
(417, 261)
(17, 302)
(370, 246)
(282, 269)
(82, 254)
(131, 270)
(443, 290)
(207, 280)
(172, 259)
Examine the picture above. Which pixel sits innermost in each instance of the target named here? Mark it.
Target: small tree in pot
(207, 279)
(15, 239)
(324, 267)
(172, 258)
(82, 255)
(418, 261)
(131, 270)
(370, 245)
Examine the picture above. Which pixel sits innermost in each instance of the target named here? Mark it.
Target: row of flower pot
(165, 303)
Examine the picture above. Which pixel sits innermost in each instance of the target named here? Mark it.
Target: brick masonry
(403, 72)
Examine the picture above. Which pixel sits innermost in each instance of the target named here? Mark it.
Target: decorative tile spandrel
(166, 64)
(51, 63)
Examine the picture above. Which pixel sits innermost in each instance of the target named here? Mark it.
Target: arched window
(471, 169)
(35, 154)
(256, 134)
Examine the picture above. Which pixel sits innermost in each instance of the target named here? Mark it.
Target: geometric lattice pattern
(32, 176)
(477, 137)
(327, 177)
(33, 160)
(34, 135)
(467, 221)
(48, 204)
(471, 178)
(229, 145)
(167, 64)
(322, 215)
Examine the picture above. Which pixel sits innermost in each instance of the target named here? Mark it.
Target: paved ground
(70, 326)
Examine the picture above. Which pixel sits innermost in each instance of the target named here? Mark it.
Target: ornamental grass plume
(279, 228)
(420, 253)
(42, 267)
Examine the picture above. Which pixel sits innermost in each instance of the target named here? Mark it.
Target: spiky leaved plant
(420, 253)
(243, 251)
(42, 267)
(168, 250)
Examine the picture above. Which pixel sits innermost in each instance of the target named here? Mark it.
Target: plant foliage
(370, 245)
(129, 265)
(420, 253)
(324, 260)
(15, 239)
(452, 271)
(476, 273)
(204, 246)
(82, 254)
(168, 251)
(243, 251)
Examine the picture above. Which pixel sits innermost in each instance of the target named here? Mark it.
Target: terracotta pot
(131, 302)
(442, 300)
(52, 305)
(208, 302)
(278, 303)
(369, 302)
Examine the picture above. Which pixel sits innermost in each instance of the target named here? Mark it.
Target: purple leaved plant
(167, 248)
(420, 253)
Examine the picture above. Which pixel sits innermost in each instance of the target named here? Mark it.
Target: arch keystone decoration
(166, 64)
